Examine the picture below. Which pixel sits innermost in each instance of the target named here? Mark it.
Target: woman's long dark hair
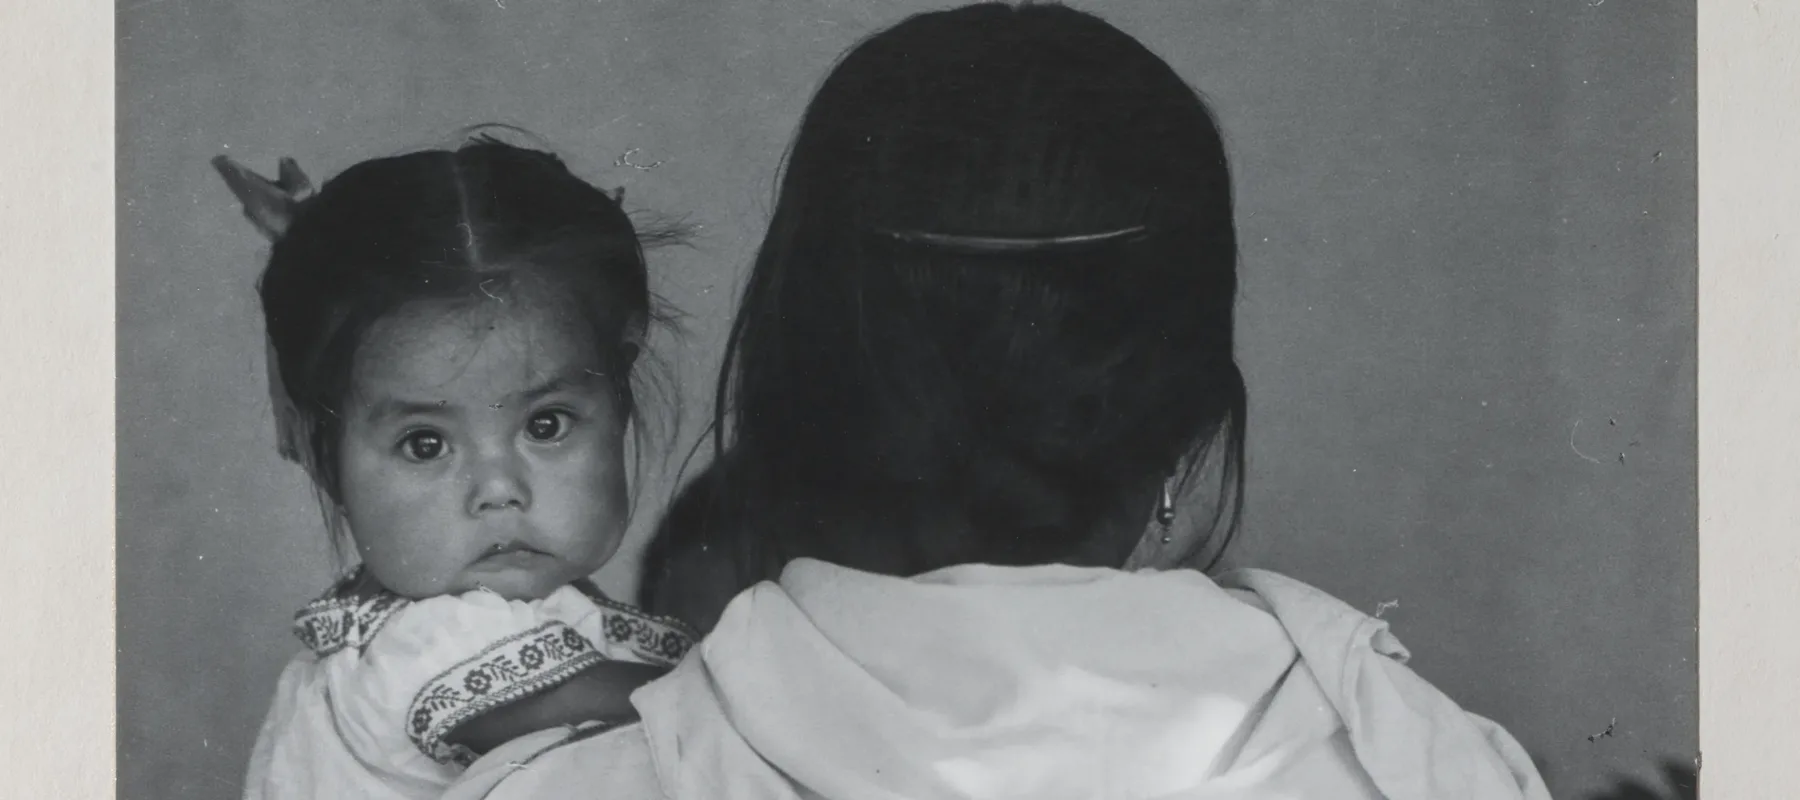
(896, 401)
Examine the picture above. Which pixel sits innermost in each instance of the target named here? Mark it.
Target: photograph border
(57, 220)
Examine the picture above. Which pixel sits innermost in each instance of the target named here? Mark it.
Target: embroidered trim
(348, 615)
(657, 640)
(345, 616)
(508, 670)
(650, 640)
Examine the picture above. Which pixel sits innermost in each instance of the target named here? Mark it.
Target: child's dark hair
(933, 363)
(462, 224)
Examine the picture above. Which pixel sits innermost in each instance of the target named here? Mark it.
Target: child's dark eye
(422, 446)
(547, 426)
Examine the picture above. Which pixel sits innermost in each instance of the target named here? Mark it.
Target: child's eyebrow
(391, 407)
(394, 407)
(577, 379)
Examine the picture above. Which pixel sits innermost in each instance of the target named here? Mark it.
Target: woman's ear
(269, 205)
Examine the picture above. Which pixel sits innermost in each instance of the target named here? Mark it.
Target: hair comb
(1015, 244)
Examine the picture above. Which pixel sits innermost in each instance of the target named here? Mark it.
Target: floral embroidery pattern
(341, 618)
(508, 670)
(656, 640)
(656, 644)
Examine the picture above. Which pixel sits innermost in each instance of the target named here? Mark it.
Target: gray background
(1467, 319)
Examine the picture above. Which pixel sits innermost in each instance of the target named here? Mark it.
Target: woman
(984, 355)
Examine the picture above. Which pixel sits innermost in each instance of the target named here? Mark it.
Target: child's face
(483, 447)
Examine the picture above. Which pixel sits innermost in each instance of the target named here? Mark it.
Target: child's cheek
(580, 493)
(589, 454)
(400, 494)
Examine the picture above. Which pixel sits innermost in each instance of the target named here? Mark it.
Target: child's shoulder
(347, 615)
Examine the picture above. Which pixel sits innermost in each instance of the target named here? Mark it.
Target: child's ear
(269, 205)
(631, 339)
(291, 436)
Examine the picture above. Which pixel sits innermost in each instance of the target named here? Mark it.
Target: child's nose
(499, 483)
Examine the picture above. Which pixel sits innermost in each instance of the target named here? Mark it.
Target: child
(452, 338)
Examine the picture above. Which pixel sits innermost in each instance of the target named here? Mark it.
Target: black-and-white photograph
(845, 399)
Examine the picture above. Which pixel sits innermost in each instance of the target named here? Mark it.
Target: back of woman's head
(994, 300)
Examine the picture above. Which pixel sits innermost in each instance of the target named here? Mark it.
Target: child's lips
(513, 554)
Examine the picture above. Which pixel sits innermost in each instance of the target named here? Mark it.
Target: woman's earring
(1165, 511)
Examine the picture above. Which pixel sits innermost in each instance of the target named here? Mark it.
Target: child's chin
(517, 584)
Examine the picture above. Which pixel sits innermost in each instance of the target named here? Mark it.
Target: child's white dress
(363, 712)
